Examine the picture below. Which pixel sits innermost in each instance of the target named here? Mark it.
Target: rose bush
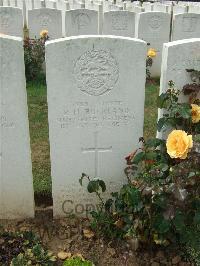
(34, 57)
(160, 204)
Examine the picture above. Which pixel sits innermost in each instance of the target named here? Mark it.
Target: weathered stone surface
(45, 19)
(96, 105)
(11, 21)
(186, 26)
(81, 22)
(16, 187)
(154, 28)
(119, 23)
(177, 57)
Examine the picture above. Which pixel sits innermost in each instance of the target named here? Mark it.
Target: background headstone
(119, 23)
(11, 21)
(96, 110)
(194, 8)
(186, 26)
(177, 57)
(154, 28)
(45, 19)
(179, 9)
(16, 184)
(81, 22)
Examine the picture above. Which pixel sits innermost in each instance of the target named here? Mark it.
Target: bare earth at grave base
(66, 235)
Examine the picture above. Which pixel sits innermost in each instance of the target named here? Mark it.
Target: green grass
(38, 123)
(37, 103)
(151, 110)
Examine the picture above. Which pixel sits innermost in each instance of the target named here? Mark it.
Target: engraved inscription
(182, 64)
(104, 114)
(96, 72)
(82, 20)
(5, 20)
(5, 122)
(119, 22)
(155, 22)
(189, 24)
(45, 20)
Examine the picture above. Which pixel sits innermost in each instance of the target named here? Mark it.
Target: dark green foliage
(22, 249)
(34, 58)
(160, 203)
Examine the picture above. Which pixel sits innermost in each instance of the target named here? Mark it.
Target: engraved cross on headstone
(96, 149)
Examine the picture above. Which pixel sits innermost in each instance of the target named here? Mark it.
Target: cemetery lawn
(38, 123)
(38, 119)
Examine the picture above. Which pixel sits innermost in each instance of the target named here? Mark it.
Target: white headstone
(16, 184)
(186, 26)
(50, 3)
(138, 9)
(96, 109)
(129, 6)
(148, 7)
(154, 28)
(179, 9)
(81, 22)
(45, 19)
(100, 18)
(177, 57)
(13, 3)
(37, 3)
(6, 2)
(160, 7)
(194, 9)
(119, 23)
(11, 21)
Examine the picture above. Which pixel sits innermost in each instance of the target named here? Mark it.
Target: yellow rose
(178, 144)
(195, 113)
(44, 33)
(151, 52)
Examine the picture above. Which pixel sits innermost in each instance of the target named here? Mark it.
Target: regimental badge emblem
(155, 22)
(96, 72)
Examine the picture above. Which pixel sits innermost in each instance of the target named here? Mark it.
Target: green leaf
(161, 225)
(164, 167)
(138, 157)
(184, 110)
(108, 204)
(161, 100)
(102, 185)
(161, 122)
(154, 143)
(93, 186)
(151, 155)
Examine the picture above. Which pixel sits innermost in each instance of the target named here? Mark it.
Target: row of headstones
(152, 27)
(96, 94)
(108, 5)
